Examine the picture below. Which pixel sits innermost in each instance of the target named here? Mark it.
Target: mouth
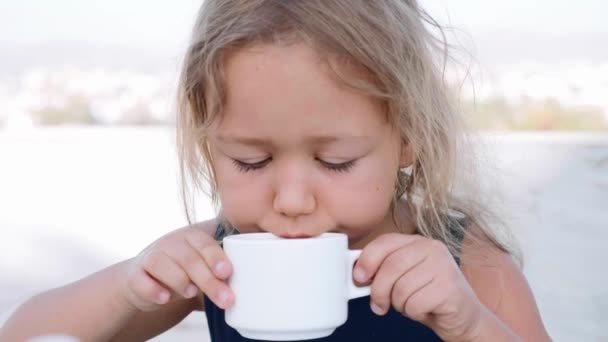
(295, 236)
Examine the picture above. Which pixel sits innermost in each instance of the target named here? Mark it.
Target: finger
(423, 302)
(198, 272)
(412, 282)
(215, 289)
(376, 251)
(161, 266)
(148, 292)
(211, 252)
(394, 266)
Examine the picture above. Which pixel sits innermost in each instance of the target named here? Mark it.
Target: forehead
(293, 88)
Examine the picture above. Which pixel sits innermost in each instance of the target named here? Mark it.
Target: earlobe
(406, 155)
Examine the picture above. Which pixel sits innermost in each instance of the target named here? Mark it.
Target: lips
(295, 236)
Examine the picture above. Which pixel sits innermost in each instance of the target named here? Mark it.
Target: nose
(293, 195)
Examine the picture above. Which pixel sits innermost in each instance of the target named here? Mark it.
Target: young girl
(306, 117)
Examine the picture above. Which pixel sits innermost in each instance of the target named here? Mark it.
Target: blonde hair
(390, 40)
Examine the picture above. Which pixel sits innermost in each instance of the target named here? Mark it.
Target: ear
(406, 155)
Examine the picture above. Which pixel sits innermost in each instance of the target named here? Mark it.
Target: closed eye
(337, 167)
(245, 167)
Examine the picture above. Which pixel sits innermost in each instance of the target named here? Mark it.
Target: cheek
(362, 201)
(242, 195)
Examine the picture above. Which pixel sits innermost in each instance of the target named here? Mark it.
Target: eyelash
(246, 167)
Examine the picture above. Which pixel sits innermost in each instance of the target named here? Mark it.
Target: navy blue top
(361, 325)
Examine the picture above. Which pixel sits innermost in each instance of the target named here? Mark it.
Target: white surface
(54, 338)
(302, 294)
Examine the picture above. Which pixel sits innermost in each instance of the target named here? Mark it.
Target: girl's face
(296, 154)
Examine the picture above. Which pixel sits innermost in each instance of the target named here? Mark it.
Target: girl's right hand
(179, 265)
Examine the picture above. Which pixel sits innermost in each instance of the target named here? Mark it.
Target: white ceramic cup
(290, 289)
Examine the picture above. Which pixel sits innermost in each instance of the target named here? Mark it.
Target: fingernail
(220, 266)
(376, 309)
(163, 297)
(191, 291)
(224, 296)
(359, 274)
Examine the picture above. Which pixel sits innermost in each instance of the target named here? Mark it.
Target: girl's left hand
(420, 278)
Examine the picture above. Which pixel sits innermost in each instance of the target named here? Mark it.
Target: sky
(108, 21)
(524, 16)
(166, 21)
(34, 31)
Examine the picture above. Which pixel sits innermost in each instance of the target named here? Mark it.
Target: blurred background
(88, 171)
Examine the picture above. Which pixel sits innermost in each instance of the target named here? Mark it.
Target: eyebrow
(320, 139)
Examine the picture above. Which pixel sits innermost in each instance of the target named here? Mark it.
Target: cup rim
(266, 237)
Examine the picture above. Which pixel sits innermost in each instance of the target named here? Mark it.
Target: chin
(356, 237)
(353, 236)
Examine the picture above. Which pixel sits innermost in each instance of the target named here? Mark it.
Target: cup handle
(355, 291)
